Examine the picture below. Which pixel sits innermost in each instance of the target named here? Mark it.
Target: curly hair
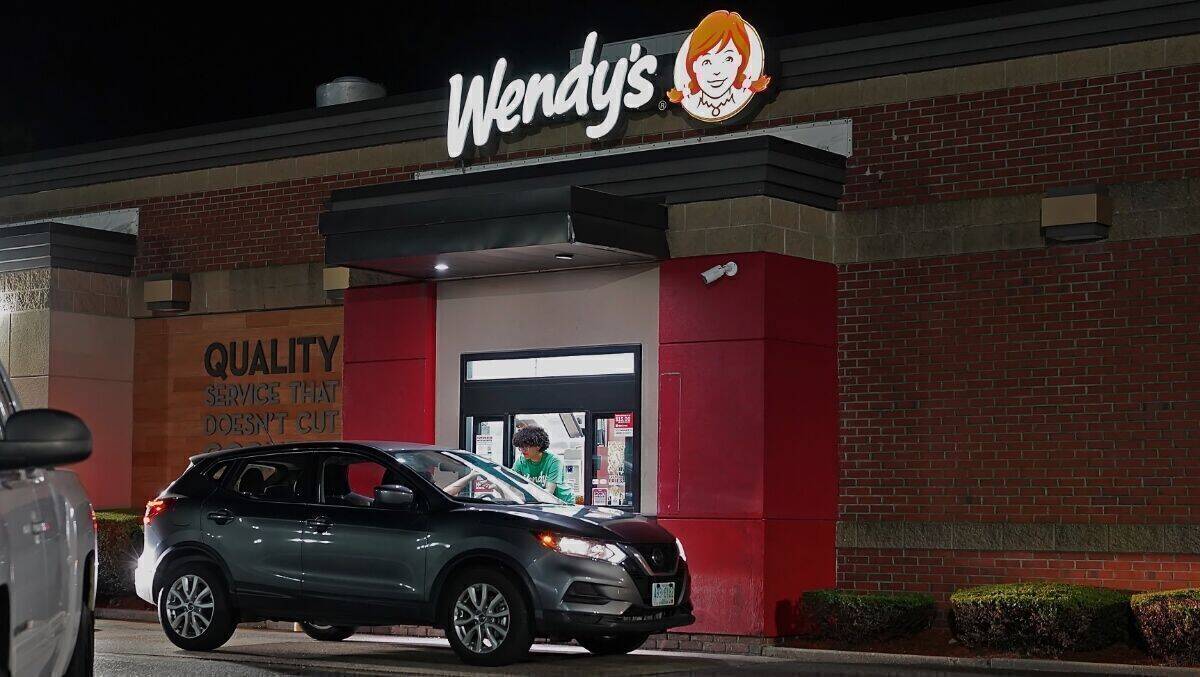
(531, 436)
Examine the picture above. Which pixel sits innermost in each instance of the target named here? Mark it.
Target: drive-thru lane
(133, 649)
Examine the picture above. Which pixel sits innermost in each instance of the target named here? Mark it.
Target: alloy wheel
(189, 606)
(481, 618)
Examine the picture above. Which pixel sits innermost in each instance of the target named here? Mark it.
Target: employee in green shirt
(541, 467)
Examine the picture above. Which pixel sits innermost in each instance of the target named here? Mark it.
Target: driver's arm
(459, 484)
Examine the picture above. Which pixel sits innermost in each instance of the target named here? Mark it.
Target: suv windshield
(464, 476)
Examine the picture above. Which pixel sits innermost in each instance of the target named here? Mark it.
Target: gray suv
(337, 535)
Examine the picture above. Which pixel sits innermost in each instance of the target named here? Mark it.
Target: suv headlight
(575, 546)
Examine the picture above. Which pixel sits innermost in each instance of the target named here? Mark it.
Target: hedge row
(850, 616)
(1039, 618)
(1169, 623)
(119, 540)
(1032, 618)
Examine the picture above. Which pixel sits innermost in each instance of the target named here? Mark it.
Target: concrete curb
(946, 662)
(143, 615)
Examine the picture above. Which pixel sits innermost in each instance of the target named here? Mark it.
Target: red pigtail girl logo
(719, 68)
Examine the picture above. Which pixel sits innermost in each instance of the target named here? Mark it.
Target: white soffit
(834, 136)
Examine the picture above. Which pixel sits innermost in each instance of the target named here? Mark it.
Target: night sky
(99, 71)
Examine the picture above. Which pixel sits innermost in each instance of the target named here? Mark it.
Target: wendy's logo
(719, 68)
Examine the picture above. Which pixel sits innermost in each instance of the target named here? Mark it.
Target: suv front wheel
(194, 609)
(487, 619)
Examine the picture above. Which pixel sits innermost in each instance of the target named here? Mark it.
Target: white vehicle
(47, 542)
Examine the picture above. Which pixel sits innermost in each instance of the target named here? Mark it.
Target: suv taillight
(156, 507)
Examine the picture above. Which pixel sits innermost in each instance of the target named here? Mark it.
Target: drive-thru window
(587, 399)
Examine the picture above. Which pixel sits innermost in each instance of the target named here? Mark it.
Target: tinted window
(218, 471)
(350, 480)
(284, 477)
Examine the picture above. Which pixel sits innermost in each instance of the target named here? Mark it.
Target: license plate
(662, 594)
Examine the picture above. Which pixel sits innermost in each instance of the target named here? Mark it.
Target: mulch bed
(937, 641)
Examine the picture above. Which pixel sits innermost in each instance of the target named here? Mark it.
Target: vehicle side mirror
(37, 438)
(393, 496)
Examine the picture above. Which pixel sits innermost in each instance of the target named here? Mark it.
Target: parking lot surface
(133, 649)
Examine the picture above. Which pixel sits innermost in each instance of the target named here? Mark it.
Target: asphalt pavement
(133, 649)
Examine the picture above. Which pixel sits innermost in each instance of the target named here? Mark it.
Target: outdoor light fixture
(168, 293)
(717, 272)
(1076, 214)
(564, 257)
(441, 267)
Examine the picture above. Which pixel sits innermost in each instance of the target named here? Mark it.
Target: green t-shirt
(546, 471)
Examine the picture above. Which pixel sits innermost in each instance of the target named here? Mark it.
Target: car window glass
(219, 471)
(350, 480)
(275, 478)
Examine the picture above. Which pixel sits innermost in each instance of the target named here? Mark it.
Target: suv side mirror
(37, 438)
(393, 495)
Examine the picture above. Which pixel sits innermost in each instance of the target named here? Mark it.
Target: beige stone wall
(265, 288)
(747, 224)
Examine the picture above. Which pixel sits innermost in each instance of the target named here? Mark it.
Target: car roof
(388, 446)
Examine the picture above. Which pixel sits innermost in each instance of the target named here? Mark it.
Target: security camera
(717, 272)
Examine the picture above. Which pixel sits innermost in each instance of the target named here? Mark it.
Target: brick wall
(1131, 127)
(268, 224)
(1034, 385)
(1040, 386)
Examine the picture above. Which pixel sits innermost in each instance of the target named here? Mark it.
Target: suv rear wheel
(611, 645)
(194, 608)
(328, 633)
(486, 618)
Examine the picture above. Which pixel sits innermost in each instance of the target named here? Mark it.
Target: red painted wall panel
(798, 556)
(716, 468)
(389, 400)
(800, 300)
(800, 461)
(391, 322)
(389, 362)
(729, 309)
(725, 558)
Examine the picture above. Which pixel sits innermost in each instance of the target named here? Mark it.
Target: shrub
(1169, 622)
(119, 540)
(850, 616)
(1039, 618)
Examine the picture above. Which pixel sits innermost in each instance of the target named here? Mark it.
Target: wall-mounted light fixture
(335, 280)
(1076, 214)
(167, 293)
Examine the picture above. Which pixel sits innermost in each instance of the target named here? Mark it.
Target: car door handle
(319, 524)
(221, 516)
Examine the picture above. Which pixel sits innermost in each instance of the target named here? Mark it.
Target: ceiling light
(440, 267)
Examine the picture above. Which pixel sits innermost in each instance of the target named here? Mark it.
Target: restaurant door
(588, 400)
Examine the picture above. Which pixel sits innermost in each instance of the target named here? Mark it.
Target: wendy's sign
(718, 70)
(604, 88)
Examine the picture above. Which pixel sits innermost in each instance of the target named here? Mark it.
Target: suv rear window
(284, 477)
